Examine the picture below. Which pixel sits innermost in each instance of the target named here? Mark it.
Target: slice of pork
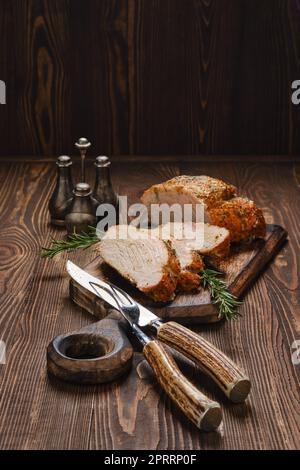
(205, 239)
(149, 264)
(190, 261)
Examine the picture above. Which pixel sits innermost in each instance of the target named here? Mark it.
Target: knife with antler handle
(223, 371)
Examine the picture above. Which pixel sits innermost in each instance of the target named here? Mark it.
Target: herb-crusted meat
(221, 205)
(241, 217)
(150, 264)
(189, 189)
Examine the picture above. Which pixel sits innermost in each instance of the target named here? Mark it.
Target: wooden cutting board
(240, 270)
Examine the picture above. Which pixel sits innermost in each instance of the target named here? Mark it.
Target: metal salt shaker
(63, 192)
(83, 145)
(81, 213)
(103, 190)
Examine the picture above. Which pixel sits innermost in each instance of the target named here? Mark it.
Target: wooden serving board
(240, 270)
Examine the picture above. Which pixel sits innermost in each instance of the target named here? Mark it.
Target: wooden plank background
(150, 77)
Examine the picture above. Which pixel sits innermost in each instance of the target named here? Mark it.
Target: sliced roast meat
(190, 261)
(205, 239)
(188, 241)
(150, 264)
(189, 190)
(218, 199)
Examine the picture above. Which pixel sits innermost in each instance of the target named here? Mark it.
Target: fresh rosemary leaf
(73, 242)
(227, 303)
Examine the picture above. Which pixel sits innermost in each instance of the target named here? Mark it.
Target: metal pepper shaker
(103, 190)
(81, 212)
(83, 145)
(63, 192)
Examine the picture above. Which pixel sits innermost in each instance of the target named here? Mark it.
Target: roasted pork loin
(160, 260)
(187, 247)
(150, 264)
(189, 190)
(241, 217)
(221, 207)
(190, 261)
(205, 239)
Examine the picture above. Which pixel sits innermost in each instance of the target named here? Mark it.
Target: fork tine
(105, 289)
(127, 296)
(131, 311)
(115, 292)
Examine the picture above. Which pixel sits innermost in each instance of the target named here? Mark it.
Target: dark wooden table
(41, 413)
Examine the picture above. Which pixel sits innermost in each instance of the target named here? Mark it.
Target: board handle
(224, 372)
(203, 412)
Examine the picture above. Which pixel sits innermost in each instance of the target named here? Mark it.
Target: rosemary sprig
(226, 302)
(73, 242)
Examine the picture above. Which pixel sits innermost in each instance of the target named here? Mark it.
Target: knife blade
(86, 280)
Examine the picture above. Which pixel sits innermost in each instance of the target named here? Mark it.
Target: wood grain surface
(150, 76)
(38, 412)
